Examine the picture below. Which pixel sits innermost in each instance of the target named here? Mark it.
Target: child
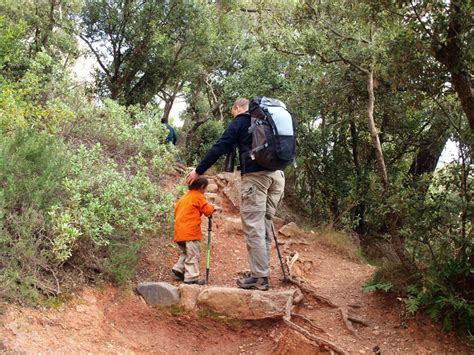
(187, 231)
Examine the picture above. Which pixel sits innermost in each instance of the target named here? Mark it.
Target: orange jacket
(187, 216)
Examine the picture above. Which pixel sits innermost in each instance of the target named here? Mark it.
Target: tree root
(310, 322)
(345, 319)
(358, 321)
(318, 340)
(308, 288)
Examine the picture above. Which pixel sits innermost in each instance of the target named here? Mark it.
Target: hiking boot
(256, 283)
(196, 282)
(178, 275)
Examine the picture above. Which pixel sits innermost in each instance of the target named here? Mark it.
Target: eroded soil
(115, 320)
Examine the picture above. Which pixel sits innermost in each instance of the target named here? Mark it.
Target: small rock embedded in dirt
(290, 230)
(159, 293)
(212, 197)
(212, 188)
(188, 296)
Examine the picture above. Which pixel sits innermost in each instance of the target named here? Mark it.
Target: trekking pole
(285, 278)
(208, 260)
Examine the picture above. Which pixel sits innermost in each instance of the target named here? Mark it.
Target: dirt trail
(112, 320)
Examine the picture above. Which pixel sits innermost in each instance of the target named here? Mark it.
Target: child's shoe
(178, 275)
(196, 282)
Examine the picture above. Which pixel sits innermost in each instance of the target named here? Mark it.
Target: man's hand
(193, 175)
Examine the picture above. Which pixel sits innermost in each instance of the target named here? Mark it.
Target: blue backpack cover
(273, 133)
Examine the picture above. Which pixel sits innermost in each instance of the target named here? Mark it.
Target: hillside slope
(112, 320)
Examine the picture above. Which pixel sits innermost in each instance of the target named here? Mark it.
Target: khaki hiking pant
(188, 262)
(261, 194)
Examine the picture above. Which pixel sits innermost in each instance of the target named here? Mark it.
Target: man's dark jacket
(171, 138)
(236, 134)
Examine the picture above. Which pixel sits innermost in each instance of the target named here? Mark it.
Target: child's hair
(200, 183)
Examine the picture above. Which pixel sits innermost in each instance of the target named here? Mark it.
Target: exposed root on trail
(358, 321)
(305, 286)
(310, 322)
(318, 340)
(288, 314)
(347, 322)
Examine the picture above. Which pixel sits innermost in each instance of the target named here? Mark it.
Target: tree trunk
(167, 109)
(359, 210)
(431, 147)
(373, 131)
(391, 216)
(450, 54)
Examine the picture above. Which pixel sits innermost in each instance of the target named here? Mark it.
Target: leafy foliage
(376, 285)
(202, 140)
(83, 191)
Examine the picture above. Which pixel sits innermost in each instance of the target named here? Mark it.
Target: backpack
(273, 133)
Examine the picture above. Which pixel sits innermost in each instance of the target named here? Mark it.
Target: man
(261, 193)
(171, 138)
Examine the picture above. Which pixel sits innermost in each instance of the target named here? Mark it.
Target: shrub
(108, 211)
(64, 208)
(32, 166)
(202, 140)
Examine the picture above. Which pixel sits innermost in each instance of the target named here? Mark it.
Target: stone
(188, 296)
(233, 224)
(290, 230)
(158, 293)
(247, 304)
(212, 188)
(278, 222)
(232, 190)
(211, 197)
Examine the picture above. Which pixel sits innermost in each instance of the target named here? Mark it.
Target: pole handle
(209, 227)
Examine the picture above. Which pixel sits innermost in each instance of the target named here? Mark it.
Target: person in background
(187, 231)
(171, 138)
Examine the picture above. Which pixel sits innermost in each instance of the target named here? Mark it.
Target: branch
(342, 35)
(347, 61)
(278, 49)
(430, 35)
(446, 113)
(216, 100)
(104, 68)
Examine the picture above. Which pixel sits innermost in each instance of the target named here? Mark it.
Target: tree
(145, 48)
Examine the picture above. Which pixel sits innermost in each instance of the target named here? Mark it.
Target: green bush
(106, 210)
(32, 167)
(444, 293)
(202, 140)
(63, 207)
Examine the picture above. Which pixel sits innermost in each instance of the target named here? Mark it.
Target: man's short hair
(200, 183)
(241, 103)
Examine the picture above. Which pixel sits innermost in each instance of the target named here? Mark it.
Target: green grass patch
(218, 317)
(342, 243)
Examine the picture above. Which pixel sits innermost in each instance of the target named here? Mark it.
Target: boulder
(290, 230)
(188, 296)
(247, 304)
(159, 293)
(232, 189)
